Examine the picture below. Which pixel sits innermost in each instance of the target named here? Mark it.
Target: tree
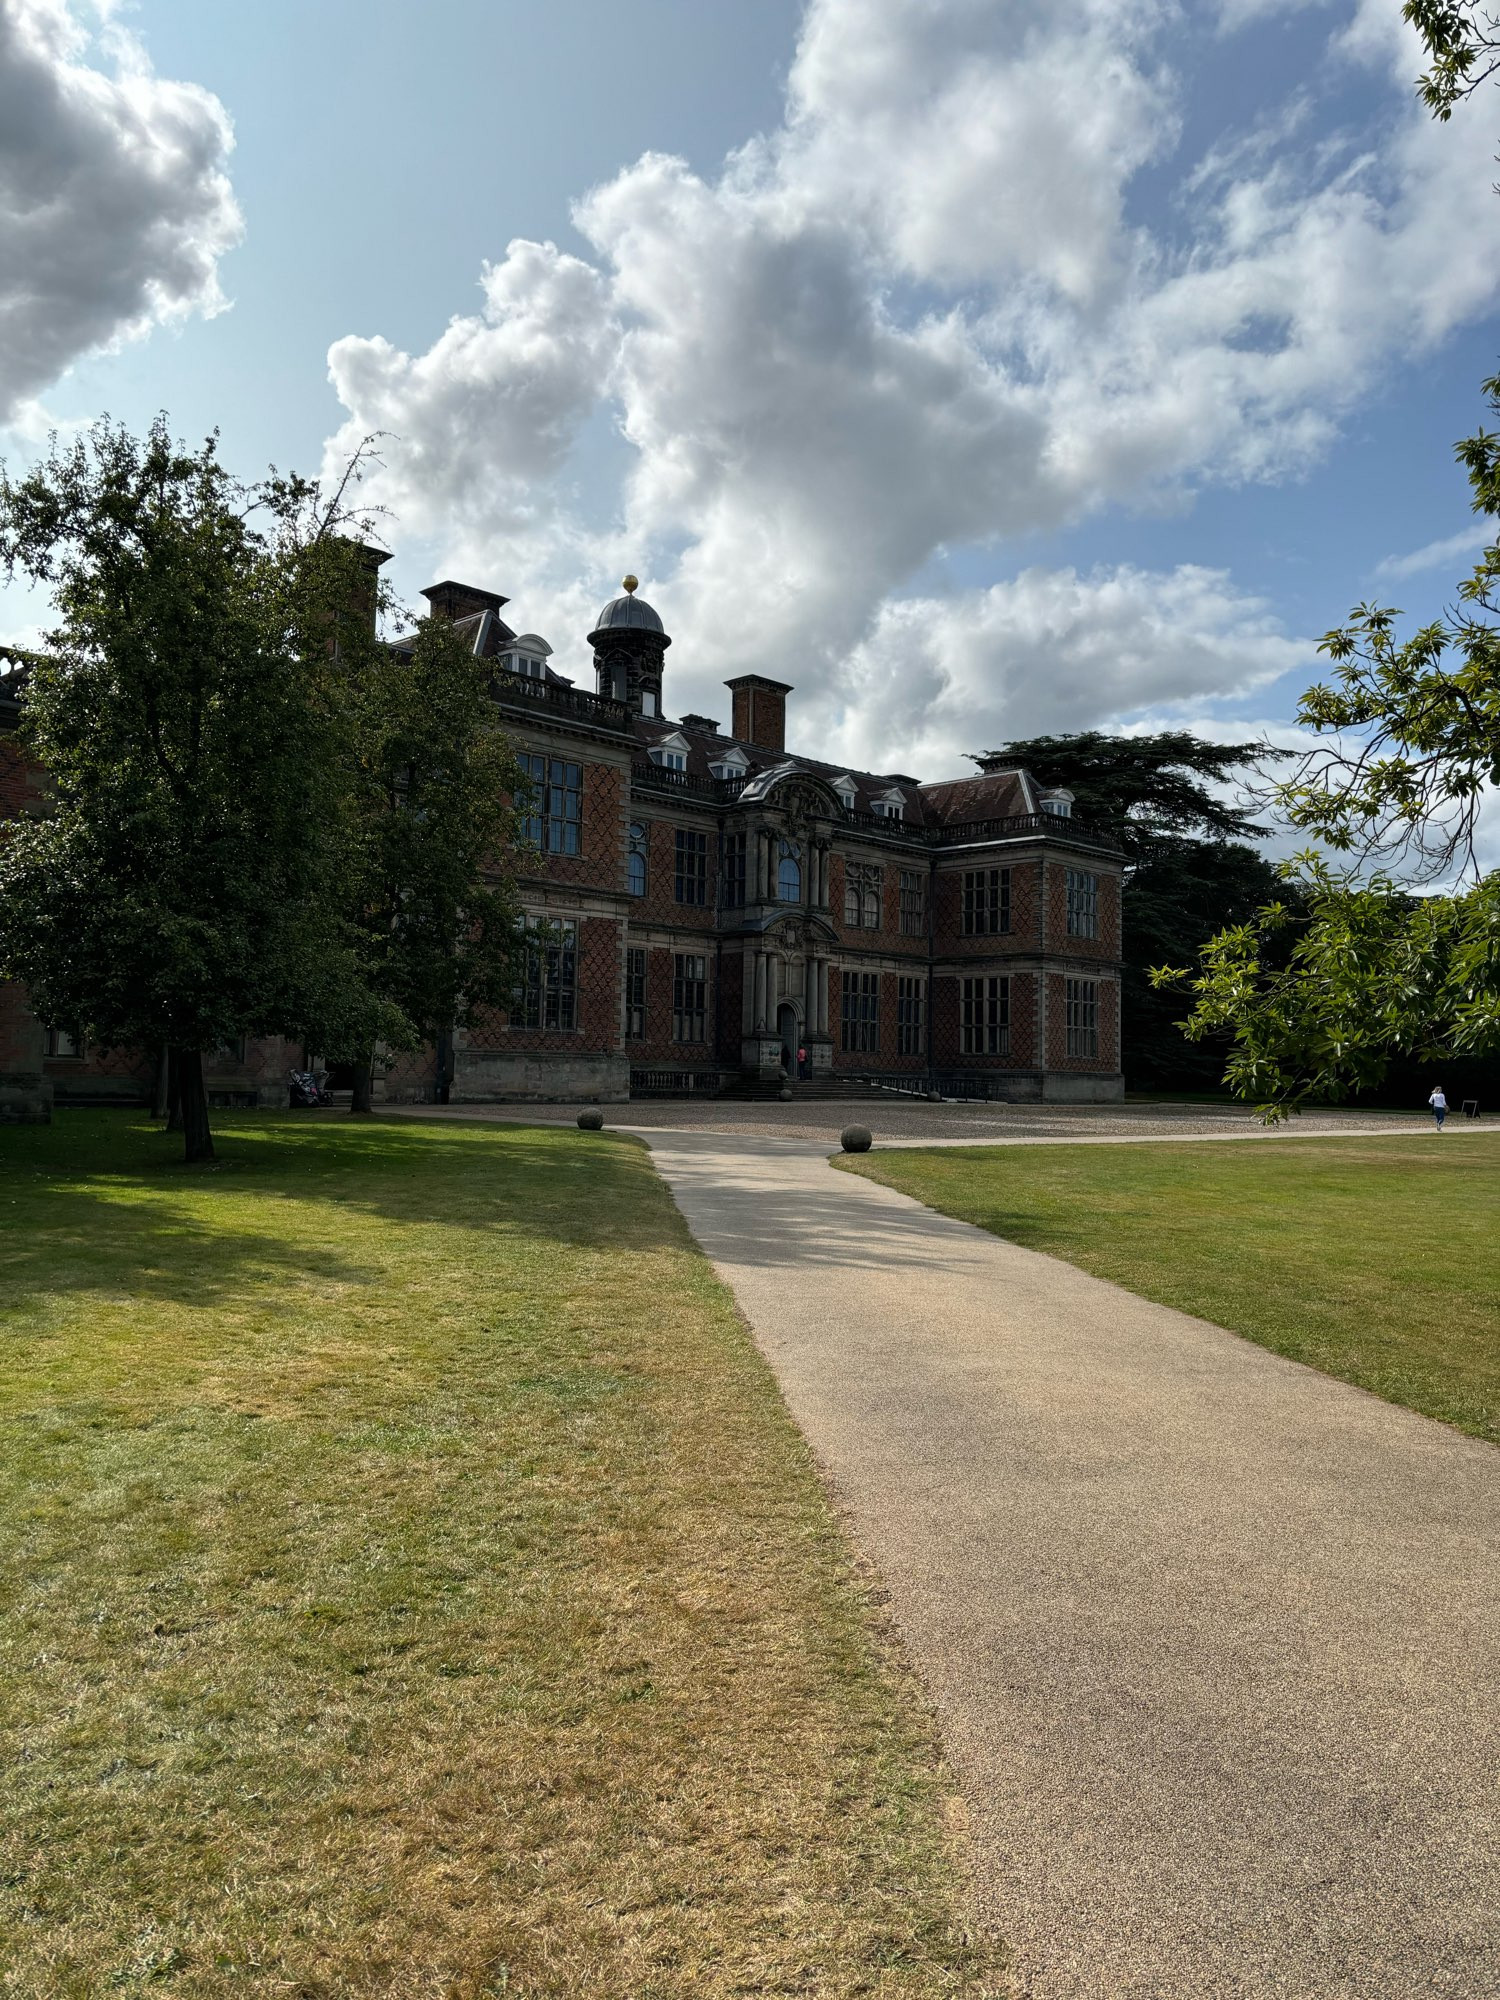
(436, 912)
(1189, 867)
(1463, 44)
(187, 884)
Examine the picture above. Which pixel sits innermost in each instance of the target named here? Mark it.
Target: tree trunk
(362, 1096)
(197, 1140)
(174, 1091)
(159, 1084)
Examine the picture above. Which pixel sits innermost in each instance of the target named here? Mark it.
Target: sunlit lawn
(1376, 1259)
(413, 1586)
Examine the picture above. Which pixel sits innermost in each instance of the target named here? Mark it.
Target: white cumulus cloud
(930, 311)
(114, 204)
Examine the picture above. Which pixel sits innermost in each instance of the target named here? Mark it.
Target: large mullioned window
(1083, 904)
(734, 871)
(689, 997)
(984, 1018)
(635, 994)
(546, 995)
(1081, 1012)
(552, 808)
(860, 1013)
(911, 1003)
(913, 903)
(690, 876)
(863, 882)
(636, 858)
(986, 907)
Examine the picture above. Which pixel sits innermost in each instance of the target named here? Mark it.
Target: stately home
(715, 912)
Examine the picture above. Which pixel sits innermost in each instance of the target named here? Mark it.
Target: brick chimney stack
(759, 710)
(461, 600)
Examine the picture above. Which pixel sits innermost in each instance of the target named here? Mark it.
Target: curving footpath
(1213, 1639)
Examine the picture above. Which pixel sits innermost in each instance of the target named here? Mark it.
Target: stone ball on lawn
(785, 1094)
(855, 1139)
(591, 1121)
(934, 1097)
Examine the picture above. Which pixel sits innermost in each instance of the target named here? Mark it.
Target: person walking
(1439, 1103)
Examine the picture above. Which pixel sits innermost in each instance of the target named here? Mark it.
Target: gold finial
(629, 583)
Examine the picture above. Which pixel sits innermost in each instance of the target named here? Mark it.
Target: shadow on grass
(100, 1202)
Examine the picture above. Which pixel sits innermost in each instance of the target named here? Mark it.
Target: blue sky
(978, 370)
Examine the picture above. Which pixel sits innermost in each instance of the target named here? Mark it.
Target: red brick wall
(1107, 944)
(947, 1021)
(659, 904)
(601, 863)
(599, 1019)
(1024, 933)
(1108, 1058)
(888, 938)
(658, 1045)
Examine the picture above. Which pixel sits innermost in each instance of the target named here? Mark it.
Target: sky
(980, 370)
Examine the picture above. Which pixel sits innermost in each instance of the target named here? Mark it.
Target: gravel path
(1212, 1637)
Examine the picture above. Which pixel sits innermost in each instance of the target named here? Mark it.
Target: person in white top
(1439, 1105)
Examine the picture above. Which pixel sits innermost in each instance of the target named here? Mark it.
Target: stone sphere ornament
(855, 1139)
(591, 1121)
(785, 1094)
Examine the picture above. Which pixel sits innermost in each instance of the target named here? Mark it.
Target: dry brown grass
(414, 1586)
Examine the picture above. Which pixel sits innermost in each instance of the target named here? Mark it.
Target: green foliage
(438, 918)
(180, 886)
(1148, 791)
(1463, 44)
(1369, 972)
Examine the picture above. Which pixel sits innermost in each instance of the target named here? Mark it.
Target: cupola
(629, 645)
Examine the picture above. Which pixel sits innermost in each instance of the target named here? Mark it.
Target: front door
(789, 1029)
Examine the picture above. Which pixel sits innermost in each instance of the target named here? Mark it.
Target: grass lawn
(1374, 1259)
(411, 1584)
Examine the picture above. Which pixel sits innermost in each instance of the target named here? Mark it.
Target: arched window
(635, 861)
(789, 873)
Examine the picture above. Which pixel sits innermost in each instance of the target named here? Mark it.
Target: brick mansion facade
(712, 910)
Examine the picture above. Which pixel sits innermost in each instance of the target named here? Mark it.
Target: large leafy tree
(1394, 953)
(187, 883)
(436, 910)
(1173, 802)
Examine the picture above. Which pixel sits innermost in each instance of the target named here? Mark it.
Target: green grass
(1374, 1259)
(411, 1584)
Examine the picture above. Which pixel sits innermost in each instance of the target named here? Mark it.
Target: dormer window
(1058, 803)
(671, 754)
(733, 764)
(891, 805)
(845, 788)
(524, 663)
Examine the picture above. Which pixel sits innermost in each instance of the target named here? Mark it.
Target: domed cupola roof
(628, 614)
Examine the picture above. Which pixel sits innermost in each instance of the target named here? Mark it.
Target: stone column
(760, 990)
(747, 991)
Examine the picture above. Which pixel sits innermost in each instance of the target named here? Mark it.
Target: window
(986, 902)
(671, 760)
(1083, 904)
(232, 1052)
(689, 997)
(61, 1043)
(691, 875)
(984, 1022)
(1059, 804)
(546, 996)
(648, 707)
(552, 811)
(734, 872)
(523, 663)
(845, 789)
(635, 859)
(863, 882)
(913, 903)
(860, 1017)
(892, 806)
(911, 997)
(1082, 1016)
(789, 872)
(635, 994)
(732, 765)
